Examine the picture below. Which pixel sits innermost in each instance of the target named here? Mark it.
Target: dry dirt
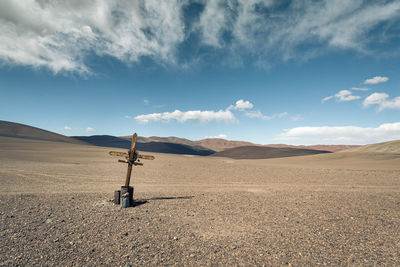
(336, 209)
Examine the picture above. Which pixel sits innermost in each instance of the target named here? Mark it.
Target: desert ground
(328, 209)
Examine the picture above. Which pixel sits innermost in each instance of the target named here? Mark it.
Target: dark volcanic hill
(13, 129)
(259, 152)
(161, 147)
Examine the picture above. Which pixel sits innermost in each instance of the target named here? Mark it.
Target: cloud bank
(63, 35)
(350, 135)
(183, 116)
(210, 115)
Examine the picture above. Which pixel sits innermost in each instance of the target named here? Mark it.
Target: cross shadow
(166, 198)
(138, 202)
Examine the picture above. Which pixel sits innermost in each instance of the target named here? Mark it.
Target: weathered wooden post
(124, 197)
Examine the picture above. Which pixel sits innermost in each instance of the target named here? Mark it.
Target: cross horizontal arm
(126, 155)
(134, 163)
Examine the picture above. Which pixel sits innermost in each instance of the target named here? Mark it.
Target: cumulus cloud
(63, 35)
(381, 99)
(343, 95)
(90, 130)
(351, 135)
(183, 116)
(67, 128)
(241, 104)
(220, 136)
(376, 80)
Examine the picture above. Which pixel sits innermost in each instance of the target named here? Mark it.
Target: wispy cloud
(146, 101)
(220, 136)
(343, 95)
(90, 130)
(376, 80)
(351, 135)
(359, 89)
(62, 35)
(183, 116)
(59, 35)
(67, 128)
(381, 99)
(127, 117)
(258, 114)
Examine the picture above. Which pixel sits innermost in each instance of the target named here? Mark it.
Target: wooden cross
(132, 158)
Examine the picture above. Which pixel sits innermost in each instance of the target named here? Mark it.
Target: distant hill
(161, 147)
(218, 144)
(331, 148)
(13, 129)
(215, 144)
(259, 152)
(386, 147)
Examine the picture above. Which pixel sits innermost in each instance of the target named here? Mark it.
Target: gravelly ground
(55, 210)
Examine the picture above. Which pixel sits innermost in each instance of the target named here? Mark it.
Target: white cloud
(183, 116)
(359, 88)
(62, 35)
(381, 99)
(220, 136)
(258, 114)
(241, 105)
(376, 80)
(146, 101)
(351, 135)
(90, 130)
(67, 128)
(327, 98)
(296, 118)
(343, 95)
(287, 30)
(127, 117)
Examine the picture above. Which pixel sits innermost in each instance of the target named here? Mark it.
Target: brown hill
(331, 148)
(386, 147)
(149, 146)
(215, 144)
(13, 129)
(218, 144)
(259, 152)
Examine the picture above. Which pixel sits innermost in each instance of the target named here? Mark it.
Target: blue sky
(296, 72)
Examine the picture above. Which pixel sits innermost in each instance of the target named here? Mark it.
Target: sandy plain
(333, 209)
